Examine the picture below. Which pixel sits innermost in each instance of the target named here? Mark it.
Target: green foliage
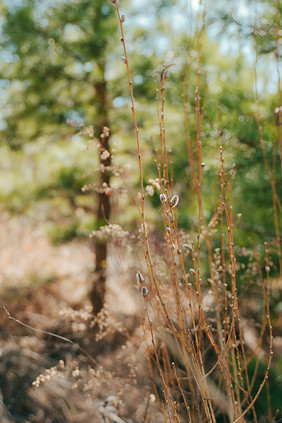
(57, 55)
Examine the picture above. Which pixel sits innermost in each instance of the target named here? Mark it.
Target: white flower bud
(139, 277)
(187, 247)
(174, 201)
(144, 291)
(170, 217)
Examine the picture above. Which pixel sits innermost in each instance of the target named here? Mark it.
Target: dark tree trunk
(98, 290)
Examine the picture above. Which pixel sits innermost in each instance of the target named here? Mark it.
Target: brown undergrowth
(88, 368)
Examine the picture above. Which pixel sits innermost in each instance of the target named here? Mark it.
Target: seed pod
(163, 198)
(144, 291)
(168, 230)
(122, 18)
(203, 164)
(267, 268)
(174, 201)
(123, 59)
(192, 271)
(187, 247)
(139, 277)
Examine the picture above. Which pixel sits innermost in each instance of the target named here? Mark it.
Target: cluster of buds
(105, 133)
(173, 201)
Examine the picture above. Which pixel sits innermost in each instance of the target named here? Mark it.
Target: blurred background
(62, 73)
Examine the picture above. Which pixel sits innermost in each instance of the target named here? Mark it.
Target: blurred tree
(59, 65)
(55, 64)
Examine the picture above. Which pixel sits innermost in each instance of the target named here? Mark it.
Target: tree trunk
(98, 290)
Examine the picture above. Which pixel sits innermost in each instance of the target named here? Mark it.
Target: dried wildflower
(187, 247)
(106, 131)
(150, 190)
(123, 59)
(192, 271)
(112, 230)
(152, 398)
(139, 277)
(155, 183)
(203, 164)
(170, 217)
(174, 201)
(122, 18)
(144, 291)
(76, 372)
(105, 155)
(163, 198)
(168, 230)
(267, 268)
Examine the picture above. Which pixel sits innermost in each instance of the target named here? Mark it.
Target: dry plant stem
(263, 327)
(268, 397)
(221, 210)
(171, 172)
(234, 303)
(199, 129)
(196, 370)
(271, 177)
(199, 165)
(179, 307)
(198, 362)
(153, 381)
(167, 367)
(276, 29)
(151, 374)
(235, 307)
(266, 295)
(147, 249)
(54, 335)
(182, 393)
(173, 269)
(173, 228)
(185, 98)
(166, 390)
(191, 303)
(163, 78)
(160, 126)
